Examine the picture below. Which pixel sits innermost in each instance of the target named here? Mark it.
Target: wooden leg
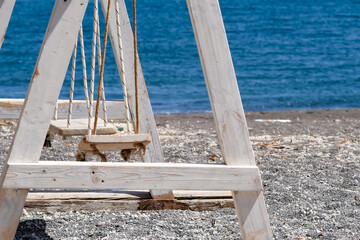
(11, 206)
(6, 8)
(147, 120)
(228, 112)
(40, 102)
(252, 215)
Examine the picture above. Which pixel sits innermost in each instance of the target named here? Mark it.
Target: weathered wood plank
(116, 195)
(228, 112)
(130, 176)
(6, 8)
(79, 127)
(147, 121)
(117, 205)
(39, 105)
(11, 206)
(11, 108)
(114, 142)
(122, 200)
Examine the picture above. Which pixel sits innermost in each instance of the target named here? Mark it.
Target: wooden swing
(81, 127)
(23, 171)
(129, 140)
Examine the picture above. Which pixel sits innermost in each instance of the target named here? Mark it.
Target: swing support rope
(93, 58)
(84, 67)
(72, 84)
(122, 70)
(96, 48)
(99, 61)
(136, 69)
(100, 86)
(102, 67)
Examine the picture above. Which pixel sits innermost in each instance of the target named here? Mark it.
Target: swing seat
(118, 142)
(79, 127)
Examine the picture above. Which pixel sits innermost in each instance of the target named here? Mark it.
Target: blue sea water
(288, 54)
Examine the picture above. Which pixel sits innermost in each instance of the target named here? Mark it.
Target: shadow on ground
(32, 230)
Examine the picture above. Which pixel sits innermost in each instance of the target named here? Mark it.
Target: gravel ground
(310, 169)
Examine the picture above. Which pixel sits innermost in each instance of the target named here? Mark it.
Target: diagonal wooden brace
(228, 112)
(39, 104)
(6, 8)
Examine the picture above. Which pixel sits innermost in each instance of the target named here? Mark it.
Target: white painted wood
(114, 195)
(147, 121)
(11, 108)
(114, 142)
(121, 201)
(130, 138)
(129, 176)
(11, 206)
(228, 112)
(6, 8)
(79, 127)
(83, 195)
(40, 102)
(47, 80)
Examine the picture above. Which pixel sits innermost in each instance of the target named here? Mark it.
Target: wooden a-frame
(23, 171)
(6, 8)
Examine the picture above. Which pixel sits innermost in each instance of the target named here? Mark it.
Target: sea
(287, 54)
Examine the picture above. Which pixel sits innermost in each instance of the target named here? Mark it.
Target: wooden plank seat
(79, 127)
(114, 142)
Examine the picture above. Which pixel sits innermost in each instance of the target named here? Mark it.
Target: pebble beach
(310, 167)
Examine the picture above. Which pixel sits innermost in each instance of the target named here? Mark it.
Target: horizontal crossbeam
(11, 108)
(131, 176)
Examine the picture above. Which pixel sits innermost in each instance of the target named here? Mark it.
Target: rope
(93, 58)
(104, 104)
(84, 67)
(122, 70)
(135, 69)
(102, 67)
(72, 85)
(99, 60)
(56, 111)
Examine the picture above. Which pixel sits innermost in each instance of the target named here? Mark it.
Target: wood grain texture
(11, 108)
(147, 120)
(114, 195)
(121, 200)
(131, 176)
(47, 80)
(6, 8)
(79, 127)
(40, 102)
(114, 142)
(11, 207)
(228, 112)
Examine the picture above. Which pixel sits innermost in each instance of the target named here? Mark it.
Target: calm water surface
(288, 54)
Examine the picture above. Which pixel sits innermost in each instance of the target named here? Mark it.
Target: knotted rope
(102, 67)
(136, 69)
(122, 70)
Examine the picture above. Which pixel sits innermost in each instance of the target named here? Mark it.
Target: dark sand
(310, 169)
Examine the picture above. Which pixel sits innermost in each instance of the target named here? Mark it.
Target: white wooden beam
(147, 120)
(11, 108)
(39, 105)
(114, 142)
(6, 8)
(79, 127)
(131, 176)
(47, 80)
(11, 207)
(228, 112)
